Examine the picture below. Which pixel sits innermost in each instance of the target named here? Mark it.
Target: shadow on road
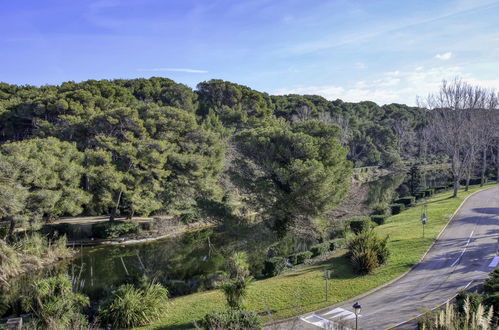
(487, 210)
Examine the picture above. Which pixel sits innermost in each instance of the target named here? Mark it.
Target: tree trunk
(456, 186)
(484, 167)
(468, 178)
(115, 210)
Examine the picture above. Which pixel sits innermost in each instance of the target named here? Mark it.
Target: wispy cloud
(186, 70)
(444, 56)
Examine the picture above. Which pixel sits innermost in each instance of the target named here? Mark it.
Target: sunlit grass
(304, 290)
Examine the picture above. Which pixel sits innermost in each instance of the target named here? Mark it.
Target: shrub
(420, 194)
(274, 266)
(231, 319)
(131, 306)
(32, 244)
(367, 251)
(337, 232)
(380, 209)
(235, 290)
(379, 219)
(10, 265)
(474, 299)
(54, 303)
(114, 229)
(440, 188)
(428, 192)
(303, 256)
(407, 201)
(359, 224)
(364, 262)
(337, 243)
(397, 208)
(491, 284)
(319, 249)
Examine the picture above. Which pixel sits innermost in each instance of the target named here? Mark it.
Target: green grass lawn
(303, 290)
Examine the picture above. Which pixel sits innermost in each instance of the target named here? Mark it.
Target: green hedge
(397, 208)
(337, 243)
(359, 224)
(440, 188)
(299, 258)
(379, 219)
(338, 233)
(319, 249)
(114, 229)
(274, 266)
(407, 201)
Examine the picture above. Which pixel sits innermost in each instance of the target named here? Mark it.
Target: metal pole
(356, 321)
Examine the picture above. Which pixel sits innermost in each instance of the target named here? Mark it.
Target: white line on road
(494, 262)
(462, 253)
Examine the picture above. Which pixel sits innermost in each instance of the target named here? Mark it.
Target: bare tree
(405, 134)
(453, 110)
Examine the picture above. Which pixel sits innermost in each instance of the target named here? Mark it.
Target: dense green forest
(153, 146)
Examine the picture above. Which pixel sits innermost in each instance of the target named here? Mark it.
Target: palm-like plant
(236, 286)
(235, 290)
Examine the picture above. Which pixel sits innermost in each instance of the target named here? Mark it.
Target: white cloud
(394, 86)
(173, 70)
(444, 56)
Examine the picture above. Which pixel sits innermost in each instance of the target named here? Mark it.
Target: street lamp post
(356, 308)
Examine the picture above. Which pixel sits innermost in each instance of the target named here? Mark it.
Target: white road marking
(462, 253)
(494, 262)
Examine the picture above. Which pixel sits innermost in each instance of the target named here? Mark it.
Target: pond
(195, 261)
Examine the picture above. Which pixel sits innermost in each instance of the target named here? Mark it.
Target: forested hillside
(153, 146)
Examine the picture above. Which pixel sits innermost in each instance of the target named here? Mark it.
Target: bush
(440, 188)
(274, 266)
(367, 251)
(231, 319)
(235, 290)
(32, 244)
(397, 208)
(338, 233)
(114, 229)
(55, 304)
(428, 192)
(407, 201)
(359, 224)
(319, 249)
(364, 261)
(303, 256)
(380, 209)
(379, 219)
(337, 243)
(420, 194)
(130, 307)
(474, 299)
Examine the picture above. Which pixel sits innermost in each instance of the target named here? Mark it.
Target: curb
(391, 281)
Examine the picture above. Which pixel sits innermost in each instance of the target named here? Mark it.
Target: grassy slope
(303, 290)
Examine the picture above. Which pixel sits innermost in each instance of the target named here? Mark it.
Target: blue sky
(384, 51)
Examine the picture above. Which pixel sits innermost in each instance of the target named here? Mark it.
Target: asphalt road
(462, 256)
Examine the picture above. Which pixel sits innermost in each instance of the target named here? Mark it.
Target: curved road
(463, 253)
